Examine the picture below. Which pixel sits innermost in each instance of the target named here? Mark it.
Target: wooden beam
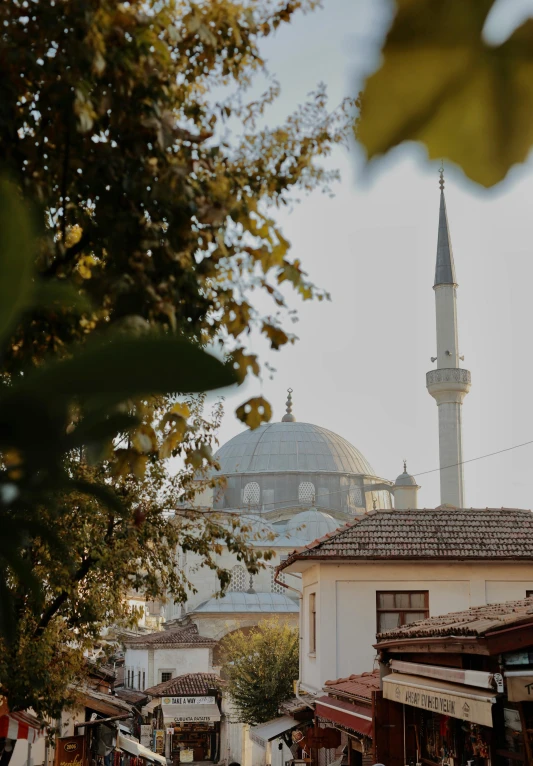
(98, 721)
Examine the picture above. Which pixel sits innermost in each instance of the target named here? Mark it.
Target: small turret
(405, 490)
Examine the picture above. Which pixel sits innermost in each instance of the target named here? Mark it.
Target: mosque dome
(291, 465)
(311, 524)
(291, 446)
(405, 479)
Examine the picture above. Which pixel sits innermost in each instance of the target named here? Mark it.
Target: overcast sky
(359, 366)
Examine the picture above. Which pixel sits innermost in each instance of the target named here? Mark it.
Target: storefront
(185, 717)
(458, 689)
(193, 728)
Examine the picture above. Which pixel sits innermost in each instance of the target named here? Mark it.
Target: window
(306, 493)
(238, 579)
(312, 623)
(251, 493)
(144, 679)
(165, 677)
(275, 587)
(395, 608)
(529, 593)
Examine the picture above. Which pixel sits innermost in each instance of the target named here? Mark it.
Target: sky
(359, 366)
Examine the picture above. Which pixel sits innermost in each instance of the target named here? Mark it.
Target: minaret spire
(448, 384)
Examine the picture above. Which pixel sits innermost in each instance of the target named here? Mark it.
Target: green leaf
(122, 367)
(62, 295)
(440, 83)
(16, 258)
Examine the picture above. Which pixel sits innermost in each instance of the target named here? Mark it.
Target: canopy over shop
(457, 688)
(185, 715)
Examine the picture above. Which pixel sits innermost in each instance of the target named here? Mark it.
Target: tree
(159, 201)
(260, 666)
(443, 84)
(160, 198)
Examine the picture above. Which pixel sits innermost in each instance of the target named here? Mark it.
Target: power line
(420, 473)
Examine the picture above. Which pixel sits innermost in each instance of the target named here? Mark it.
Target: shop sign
(70, 751)
(159, 741)
(146, 735)
(439, 701)
(188, 701)
(186, 756)
(520, 688)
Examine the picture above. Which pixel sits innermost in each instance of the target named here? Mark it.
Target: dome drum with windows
(288, 467)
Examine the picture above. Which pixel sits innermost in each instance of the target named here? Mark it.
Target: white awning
(140, 751)
(191, 713)
(447, 699)
(270, 730)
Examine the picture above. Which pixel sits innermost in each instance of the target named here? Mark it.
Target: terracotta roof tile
(188, 635)
(190, 683)
(355, 686)
(444, 533)
(476, 621)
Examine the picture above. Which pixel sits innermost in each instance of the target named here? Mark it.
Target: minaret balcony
(448, 383)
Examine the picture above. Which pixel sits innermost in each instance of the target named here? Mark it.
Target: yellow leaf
(84, 266)
(144, 439)
(180, 408)
(254, 412)
(440, 83)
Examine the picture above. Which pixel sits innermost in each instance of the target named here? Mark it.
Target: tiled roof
(188, 635)
(476, 621)
(443, 533)
(297, 705)
(131, 696)
(190, 683)
(355, 686)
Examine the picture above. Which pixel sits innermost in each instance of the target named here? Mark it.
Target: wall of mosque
(271, 492)
(345, 599)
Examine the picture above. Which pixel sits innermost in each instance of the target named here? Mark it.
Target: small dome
(311, 524)
(405, 479)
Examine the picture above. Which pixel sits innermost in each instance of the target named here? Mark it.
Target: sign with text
(188, 701)
(466, 708)
(70, 751)
(520, 688)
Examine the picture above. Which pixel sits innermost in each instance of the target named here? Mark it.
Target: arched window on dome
(251, 493)
(306, 493)
(275, 587)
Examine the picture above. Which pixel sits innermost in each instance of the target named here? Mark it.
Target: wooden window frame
(403, 611)
(312, 623)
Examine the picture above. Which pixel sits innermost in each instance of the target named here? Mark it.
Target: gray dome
(289, 446)
(312, 524)
(405, 480)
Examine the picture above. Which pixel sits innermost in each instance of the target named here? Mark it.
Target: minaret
(448, 384)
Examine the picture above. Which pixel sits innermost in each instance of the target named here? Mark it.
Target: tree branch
(59, 600)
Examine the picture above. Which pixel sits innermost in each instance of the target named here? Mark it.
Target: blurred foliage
(442, 84)
(160, 196)
(77, 535)
(260, 666)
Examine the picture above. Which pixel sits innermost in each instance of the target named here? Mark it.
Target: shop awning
(453, 700)
(191, 713)
(140, 751)
(270, 730)
(20, 725)
(355, 717)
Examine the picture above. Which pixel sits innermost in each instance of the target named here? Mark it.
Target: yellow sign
(438, 700)
(520, 688)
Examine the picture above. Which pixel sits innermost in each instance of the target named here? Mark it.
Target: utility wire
(420, 473)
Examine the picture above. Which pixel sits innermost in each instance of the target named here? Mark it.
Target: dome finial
(288, 417)
(404, 465)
